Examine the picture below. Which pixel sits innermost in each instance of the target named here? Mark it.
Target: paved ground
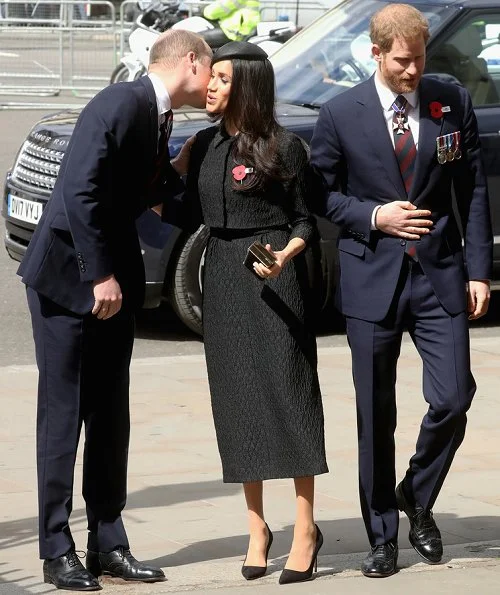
(182, 517)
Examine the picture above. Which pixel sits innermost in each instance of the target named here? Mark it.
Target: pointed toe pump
(289, 576)
(253, 572)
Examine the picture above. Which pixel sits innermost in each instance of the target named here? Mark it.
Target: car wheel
(185, 288)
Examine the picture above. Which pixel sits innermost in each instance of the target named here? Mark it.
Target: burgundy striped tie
(406, 152)
(404, 145)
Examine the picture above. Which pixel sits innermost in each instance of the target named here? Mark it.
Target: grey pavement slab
(182, 517)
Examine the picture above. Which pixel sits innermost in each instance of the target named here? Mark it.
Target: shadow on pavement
(344, 537)
(9, 588)
(24, 531)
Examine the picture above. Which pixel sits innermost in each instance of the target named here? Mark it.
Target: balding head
(172, 45)
(182, 61)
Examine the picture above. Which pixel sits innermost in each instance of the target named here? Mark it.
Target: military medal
(441, 150)
(400, 126)
(450, 153)
(456, 145)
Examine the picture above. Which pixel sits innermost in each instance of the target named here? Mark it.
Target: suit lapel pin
(437, 109)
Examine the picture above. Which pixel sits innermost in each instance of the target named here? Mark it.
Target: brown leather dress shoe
(120, 563)
(67, 572)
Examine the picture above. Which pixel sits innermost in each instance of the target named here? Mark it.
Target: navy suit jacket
(87, 230)
(352, 152)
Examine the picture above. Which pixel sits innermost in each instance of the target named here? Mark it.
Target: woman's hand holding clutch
(294, 246)
(273, 271)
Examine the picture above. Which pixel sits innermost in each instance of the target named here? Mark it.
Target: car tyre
(185, 288)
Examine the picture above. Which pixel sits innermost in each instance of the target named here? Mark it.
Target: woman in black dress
(246, 182)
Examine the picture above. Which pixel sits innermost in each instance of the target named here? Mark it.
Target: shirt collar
(163, 101)
(387, 96)
(222, 135)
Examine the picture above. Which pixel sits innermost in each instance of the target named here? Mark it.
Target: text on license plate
(25, 210)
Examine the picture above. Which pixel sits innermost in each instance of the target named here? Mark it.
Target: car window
(334, 53)
(471, 55)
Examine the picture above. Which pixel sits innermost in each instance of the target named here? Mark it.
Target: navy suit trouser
(83, 367)
(442, 341)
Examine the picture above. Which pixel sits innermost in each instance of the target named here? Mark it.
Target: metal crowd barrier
(50, 46)
(54, 46)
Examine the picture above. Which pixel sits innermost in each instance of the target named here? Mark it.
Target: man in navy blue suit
(85, 278)
(388, 152)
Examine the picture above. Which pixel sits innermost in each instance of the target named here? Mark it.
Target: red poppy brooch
(240, 172)
(437, 109)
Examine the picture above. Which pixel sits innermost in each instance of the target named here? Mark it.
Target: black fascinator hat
(242, 50)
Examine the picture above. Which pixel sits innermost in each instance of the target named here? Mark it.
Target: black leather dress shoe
(424, 535)
(67, 572)
(381, 561)
(120, 563)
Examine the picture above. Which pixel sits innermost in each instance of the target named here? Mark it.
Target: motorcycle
(269, 35)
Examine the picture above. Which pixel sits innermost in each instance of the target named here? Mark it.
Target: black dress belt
(225, 233)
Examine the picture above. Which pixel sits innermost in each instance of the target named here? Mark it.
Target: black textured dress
(260, 350)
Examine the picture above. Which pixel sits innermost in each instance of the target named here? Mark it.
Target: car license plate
(24, 210)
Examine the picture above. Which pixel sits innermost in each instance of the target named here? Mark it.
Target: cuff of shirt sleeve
(374, 215)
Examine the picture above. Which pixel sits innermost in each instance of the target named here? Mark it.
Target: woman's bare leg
(304, 534)
(256, 555)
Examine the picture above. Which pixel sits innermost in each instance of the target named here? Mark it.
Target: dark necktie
(165, 131)
(163, 152)
(404, 145)
(406, 152)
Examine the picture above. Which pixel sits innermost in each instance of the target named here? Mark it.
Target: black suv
(327, 57)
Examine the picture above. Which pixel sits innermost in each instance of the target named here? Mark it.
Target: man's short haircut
(397, 21)
(172, 45)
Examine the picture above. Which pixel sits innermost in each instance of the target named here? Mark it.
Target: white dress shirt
(387, 98)
(163, 102)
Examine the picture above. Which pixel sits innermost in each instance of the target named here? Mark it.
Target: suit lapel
(376, 132)
(429, 129)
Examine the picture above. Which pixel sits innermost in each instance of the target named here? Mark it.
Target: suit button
(402, 242)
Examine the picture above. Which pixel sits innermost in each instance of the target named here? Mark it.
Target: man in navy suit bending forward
(85, 278)
(388, 152)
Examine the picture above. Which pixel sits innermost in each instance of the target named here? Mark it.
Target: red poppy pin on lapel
(437, 109)
(240, 172)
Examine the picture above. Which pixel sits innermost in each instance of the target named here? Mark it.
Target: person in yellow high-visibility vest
(237, 19)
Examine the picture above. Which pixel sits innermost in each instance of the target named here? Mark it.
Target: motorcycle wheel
(119, 74)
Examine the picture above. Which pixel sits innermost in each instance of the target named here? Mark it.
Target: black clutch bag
(258, 253)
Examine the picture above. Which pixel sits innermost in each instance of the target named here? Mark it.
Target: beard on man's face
(400, 83)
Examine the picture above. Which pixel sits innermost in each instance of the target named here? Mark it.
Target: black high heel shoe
(253, 572)
(296, 576)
